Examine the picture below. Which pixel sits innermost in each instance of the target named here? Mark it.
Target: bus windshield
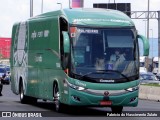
(104, 55)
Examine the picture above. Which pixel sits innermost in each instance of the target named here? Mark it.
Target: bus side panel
(43, 57)
(51, 63)
(13, 86)
(19, 56)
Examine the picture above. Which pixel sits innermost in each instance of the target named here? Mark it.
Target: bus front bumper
(88, 98)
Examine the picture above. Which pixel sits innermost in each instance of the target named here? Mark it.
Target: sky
(12, 11)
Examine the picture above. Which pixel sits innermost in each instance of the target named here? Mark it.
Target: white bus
(142, 64)
(155, 65)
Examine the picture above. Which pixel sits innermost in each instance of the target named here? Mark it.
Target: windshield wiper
(105, 71)
(117, 72)
(87, 74)
(81, 76)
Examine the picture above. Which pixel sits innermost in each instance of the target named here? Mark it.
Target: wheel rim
(21, 93)
(56, 97)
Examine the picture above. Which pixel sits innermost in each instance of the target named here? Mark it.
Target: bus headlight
(74, 86)
(132, 89)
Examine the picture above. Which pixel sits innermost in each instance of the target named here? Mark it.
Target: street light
(145, 26)
(60, 4)
(147, 31)
(148, 21)
(31, 8)
(42, 7)
(152, 40)
(70, 6)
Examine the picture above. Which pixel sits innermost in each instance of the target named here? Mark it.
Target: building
(5, 44)
(77, 3)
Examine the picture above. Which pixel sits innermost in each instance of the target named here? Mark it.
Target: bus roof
(91, 17)
(155, 59)
(142, 58)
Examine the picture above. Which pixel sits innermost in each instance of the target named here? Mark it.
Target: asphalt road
(10, 102)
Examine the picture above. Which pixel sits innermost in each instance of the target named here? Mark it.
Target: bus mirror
(66, 45)
(145, 45)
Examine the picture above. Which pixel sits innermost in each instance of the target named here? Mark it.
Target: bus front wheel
(117, 109)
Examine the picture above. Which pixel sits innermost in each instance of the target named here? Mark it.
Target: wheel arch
(55, 81)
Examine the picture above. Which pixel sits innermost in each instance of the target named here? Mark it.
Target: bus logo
(106, 93)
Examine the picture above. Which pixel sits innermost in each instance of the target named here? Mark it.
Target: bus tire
(56, 96)
(23, 98)
(117, 109)
(26, 99)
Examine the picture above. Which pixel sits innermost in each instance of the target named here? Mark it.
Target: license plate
(105, 102)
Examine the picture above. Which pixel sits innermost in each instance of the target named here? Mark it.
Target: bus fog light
(76, 98)
(133, 99)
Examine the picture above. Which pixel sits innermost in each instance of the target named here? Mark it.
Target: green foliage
(153, 84)
(1, 56)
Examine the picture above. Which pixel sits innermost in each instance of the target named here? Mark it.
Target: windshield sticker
(93, 31)
(109, 66)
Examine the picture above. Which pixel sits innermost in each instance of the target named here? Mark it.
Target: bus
(143, 61)
(155, 65)
(64, 56)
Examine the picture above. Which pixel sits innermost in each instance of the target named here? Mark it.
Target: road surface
(10, 102)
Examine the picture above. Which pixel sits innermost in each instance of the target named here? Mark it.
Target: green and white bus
(64, 56)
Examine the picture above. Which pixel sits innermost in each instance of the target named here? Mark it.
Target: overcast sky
(12, 11)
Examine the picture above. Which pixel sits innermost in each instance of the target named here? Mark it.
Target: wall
(149, 93)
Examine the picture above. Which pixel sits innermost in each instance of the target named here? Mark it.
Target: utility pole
(158, 41)
(145, 26)
(70, 6)
(147, 62)
(42, 7)
(152, 40)
(148, 22)
(31, 8)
